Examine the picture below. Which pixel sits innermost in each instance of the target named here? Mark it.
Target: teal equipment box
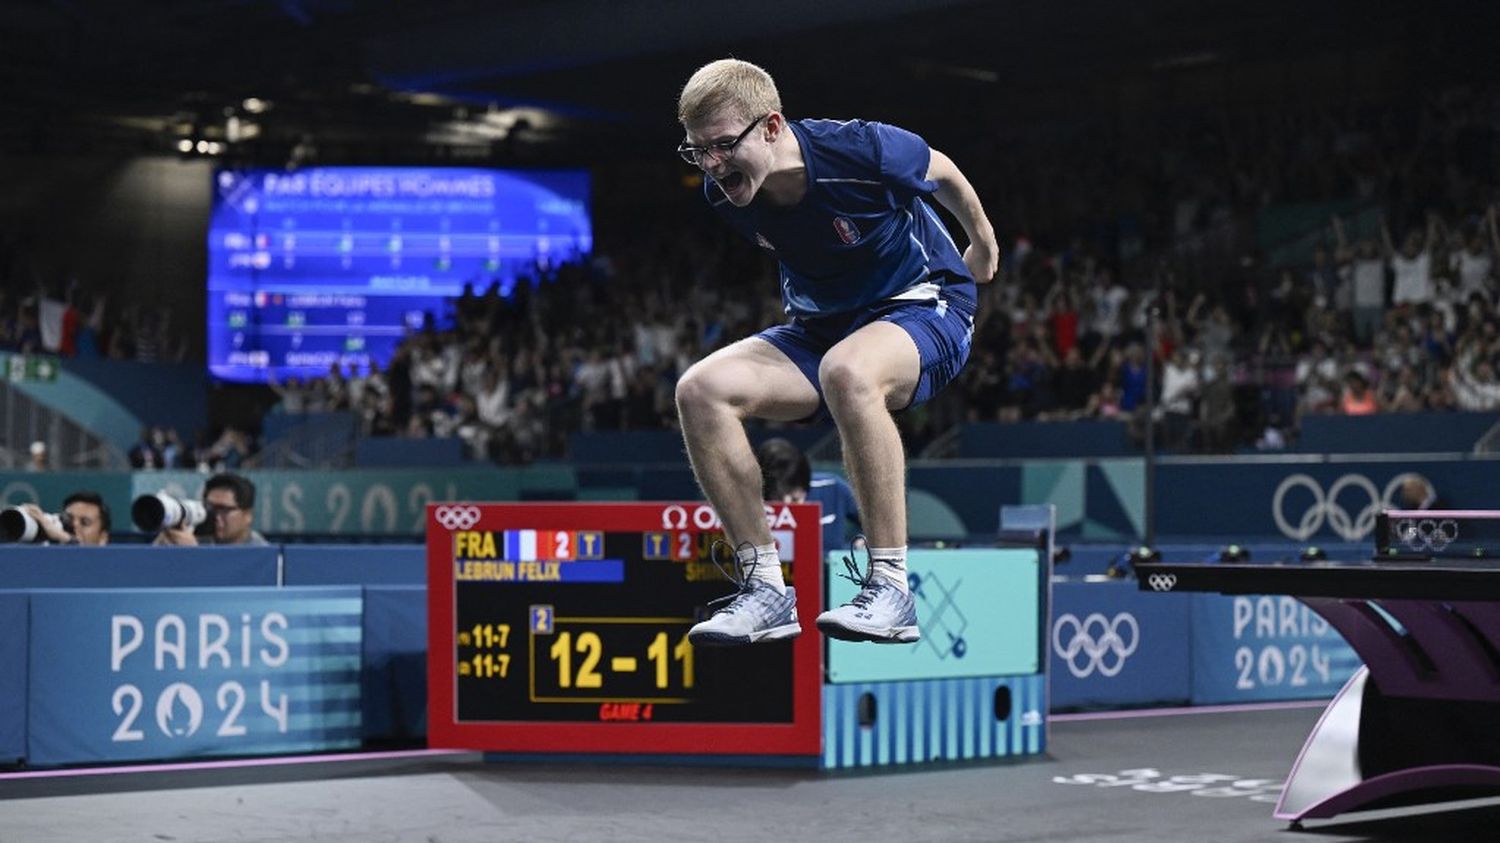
(974, 687)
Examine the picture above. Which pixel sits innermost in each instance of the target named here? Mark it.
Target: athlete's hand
(983, 260)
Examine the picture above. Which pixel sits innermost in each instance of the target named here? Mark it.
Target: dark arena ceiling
(583, 80)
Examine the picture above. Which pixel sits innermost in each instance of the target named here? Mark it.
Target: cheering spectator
(1366, 280)
(1412, 266)
(1358, 399)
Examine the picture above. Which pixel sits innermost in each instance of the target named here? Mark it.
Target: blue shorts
(942, 328)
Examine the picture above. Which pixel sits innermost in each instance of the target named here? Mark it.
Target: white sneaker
(757, 613)
(881, 612)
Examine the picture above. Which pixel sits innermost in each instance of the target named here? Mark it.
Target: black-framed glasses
(719, 150)
(219, 510)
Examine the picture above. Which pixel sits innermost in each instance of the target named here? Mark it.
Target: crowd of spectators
(1390, 304)
(1391, 308)
(72, 319)
(579, 348)
(160, 447)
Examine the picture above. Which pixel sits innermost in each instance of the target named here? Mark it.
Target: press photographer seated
(229, 504)
(84, 521)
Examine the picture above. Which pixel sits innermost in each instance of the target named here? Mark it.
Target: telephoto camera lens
(153, 513)
(17, 526)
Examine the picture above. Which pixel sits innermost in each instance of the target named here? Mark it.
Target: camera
(17, 525)
(161, 511)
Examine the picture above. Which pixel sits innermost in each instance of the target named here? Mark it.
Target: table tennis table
(1419, 723)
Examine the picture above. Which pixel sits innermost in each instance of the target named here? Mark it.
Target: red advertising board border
(800, 737)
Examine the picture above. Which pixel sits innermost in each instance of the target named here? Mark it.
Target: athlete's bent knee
(845, 383)
(701, 388)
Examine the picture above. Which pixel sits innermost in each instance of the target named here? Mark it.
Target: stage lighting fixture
(1234, 553)
(1145, 553)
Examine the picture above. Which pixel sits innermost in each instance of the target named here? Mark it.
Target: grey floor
(1186, 777)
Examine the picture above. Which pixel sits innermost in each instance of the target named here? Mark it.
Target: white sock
(767, 568)
(890, 563)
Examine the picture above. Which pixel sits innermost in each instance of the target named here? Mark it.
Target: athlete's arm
(956, 194)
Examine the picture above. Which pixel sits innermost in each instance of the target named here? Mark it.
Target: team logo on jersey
(761, 241)
(847, 232)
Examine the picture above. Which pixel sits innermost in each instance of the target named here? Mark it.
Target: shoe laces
(739, 572)
(869, 584)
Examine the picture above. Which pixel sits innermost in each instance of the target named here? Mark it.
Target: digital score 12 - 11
(544, 615)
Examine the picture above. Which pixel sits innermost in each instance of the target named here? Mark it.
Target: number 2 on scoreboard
(541, 619)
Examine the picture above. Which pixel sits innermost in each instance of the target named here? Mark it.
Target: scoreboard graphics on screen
(331, 266)
(562, 628)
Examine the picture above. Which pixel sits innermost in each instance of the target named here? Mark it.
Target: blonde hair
(727, 84)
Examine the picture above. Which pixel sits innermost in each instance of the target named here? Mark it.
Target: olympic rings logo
(1103, 643)
(1327, 506)
(457, 517)
(1426, 533)
(1162, 582)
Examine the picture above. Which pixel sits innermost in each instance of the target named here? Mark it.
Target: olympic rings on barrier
(1326, 506)
(1096, 648)
(1162, 582)
(457, 517)
(1426, 533)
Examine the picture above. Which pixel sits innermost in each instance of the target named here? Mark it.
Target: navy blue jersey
(862, 232)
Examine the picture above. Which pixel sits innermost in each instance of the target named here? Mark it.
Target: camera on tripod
(162, 511)
(18, 526)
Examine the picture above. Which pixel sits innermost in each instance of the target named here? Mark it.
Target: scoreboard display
(563, 627)
(327, 266)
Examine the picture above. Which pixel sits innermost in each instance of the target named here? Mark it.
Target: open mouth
(731, 180)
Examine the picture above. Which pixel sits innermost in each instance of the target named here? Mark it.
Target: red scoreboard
(562, 627)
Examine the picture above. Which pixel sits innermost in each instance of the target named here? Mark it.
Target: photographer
(230, 501)
(787, 476)
(85, 520)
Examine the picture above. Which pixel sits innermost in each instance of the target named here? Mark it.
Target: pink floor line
(1196, 709)
(271, 761)
(1443, 513)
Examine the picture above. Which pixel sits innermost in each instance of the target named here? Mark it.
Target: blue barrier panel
(611, 447)
(607, 447)
(139, 566)
(1305, 500)
(1031, 440)
(140, 674)
(1114, 645)
(12, 677)
(1251, 648)
(386, 564)
(1452, 433)
(394, 679)
(403, 452)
